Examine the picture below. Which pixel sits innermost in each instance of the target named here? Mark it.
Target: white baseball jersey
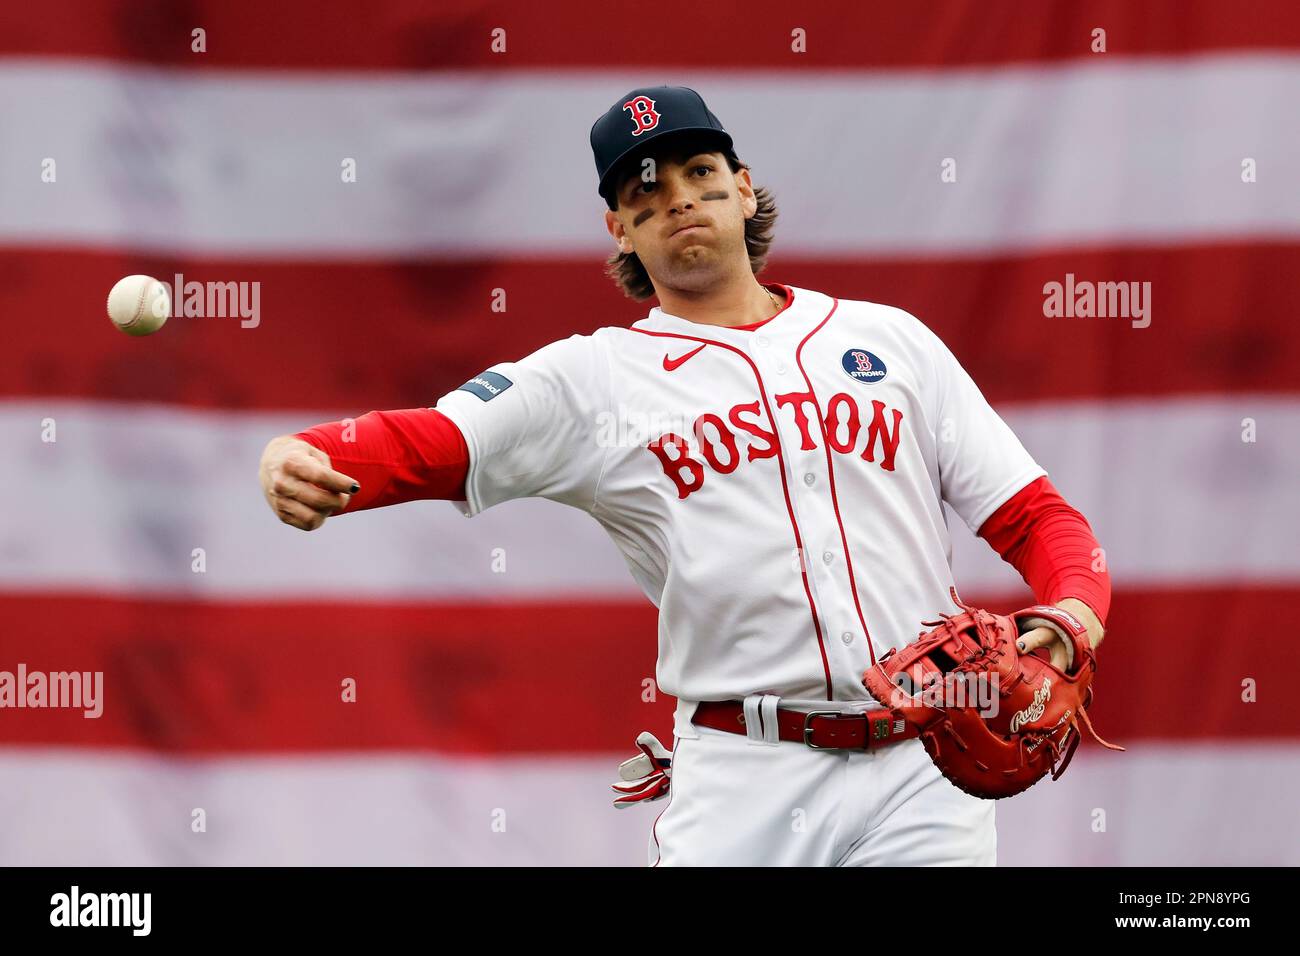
(776, 493)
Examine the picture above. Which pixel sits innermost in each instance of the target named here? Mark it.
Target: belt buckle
(807, 727)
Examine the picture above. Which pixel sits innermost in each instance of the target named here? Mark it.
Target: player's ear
(745, 189)
(617, 231)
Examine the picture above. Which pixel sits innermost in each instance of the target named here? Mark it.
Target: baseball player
(771, 462)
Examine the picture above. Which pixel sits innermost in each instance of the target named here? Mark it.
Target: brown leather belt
(819, 729)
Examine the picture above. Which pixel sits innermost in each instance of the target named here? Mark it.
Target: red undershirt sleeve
(1052, 546)
(408, 454)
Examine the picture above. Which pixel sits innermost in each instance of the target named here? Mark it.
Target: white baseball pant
(740, 802)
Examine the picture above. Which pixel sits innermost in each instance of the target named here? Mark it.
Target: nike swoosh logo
(671, 364)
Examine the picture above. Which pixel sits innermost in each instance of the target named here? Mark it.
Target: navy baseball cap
(644, 115)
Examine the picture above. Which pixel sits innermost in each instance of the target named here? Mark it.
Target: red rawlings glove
(993, 720)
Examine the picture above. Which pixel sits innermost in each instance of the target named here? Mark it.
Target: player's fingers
(298, 515)
(316, 453)
(317, 499)
(1035, 638)
(320, 474)
(1031, 640)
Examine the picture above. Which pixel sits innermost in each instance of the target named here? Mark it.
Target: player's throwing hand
(299, 484)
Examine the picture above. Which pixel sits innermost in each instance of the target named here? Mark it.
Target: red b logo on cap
(643, 113)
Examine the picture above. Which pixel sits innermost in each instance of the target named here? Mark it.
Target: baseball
(139, 305)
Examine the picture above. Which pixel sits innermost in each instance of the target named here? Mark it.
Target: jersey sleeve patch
(486, 386)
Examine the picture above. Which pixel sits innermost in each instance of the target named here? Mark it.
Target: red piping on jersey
(830, 470)
(785, 488)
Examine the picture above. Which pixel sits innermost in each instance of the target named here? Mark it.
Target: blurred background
(492, 706)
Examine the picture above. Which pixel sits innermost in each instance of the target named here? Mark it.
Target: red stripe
(355, 337)
(513, 678)
(417, 35)
(267, 677)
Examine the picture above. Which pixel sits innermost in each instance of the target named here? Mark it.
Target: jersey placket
(809, 483)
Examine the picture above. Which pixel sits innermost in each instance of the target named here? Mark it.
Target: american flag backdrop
(954, 159)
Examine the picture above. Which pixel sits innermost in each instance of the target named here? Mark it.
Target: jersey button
(827, 557)
(761, 341)
(847, 637)
(809, 478)
(780, 369)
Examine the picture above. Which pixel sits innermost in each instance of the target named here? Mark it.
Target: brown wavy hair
(629, 274)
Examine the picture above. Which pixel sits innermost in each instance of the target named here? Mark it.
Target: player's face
(685, 218)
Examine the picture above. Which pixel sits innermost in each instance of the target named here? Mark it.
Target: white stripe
(75, 807)
(1161, 804)
(67, 807)
(120, 501)
(124, 495)
(1173, 493)
(247, 163)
